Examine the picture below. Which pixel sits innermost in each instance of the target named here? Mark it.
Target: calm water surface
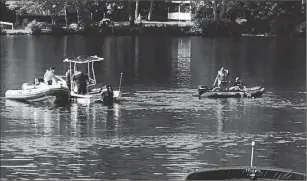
(159, 131)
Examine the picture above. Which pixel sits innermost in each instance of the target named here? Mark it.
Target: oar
(120, 81)
(252, 156)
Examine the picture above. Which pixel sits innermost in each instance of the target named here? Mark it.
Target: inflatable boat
(41, 92)
(246, 172)
(252, 92)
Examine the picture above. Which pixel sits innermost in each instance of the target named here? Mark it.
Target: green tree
(52, 7)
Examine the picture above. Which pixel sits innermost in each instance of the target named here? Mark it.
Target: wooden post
(179, 12)
(150, 10)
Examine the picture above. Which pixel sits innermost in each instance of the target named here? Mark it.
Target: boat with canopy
(105, 94)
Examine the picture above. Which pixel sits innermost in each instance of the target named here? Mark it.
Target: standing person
(221, 78)
(68, 75)
(75, 78)
(84, 79)
(81, 81)
(49, 76)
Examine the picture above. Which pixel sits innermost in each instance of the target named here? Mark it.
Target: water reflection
(181, 60)
(161, 131)
(220, 116)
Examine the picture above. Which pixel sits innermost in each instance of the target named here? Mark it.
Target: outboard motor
(253, 173)
(107, 96)
(202, 89)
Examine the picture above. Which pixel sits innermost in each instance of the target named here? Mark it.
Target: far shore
(149, 28)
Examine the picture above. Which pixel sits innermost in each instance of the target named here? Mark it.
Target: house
(179, 11)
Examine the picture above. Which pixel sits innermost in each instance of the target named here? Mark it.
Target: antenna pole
(252, 156)
(120, 81)
(70, 77)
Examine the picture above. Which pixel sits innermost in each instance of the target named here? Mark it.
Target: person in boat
(68, 75)
(221, 79)
(49, 76)
(81, 80)
(238, 85)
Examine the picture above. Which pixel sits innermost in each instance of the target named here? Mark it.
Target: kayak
(252, 92)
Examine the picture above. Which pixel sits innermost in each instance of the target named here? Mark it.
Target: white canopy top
(84, 59)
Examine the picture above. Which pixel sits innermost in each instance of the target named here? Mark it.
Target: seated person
(49, 76)
(238, 85)
(37, 81)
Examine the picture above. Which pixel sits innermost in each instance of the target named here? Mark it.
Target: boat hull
(242, 172)
(253, 92)
(52, 93)
(93, 96)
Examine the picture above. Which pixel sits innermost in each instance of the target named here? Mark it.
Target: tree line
(285, 15)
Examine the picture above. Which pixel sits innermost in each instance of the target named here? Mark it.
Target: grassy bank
(204, 28)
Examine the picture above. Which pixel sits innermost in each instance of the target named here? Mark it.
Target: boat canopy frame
(83, 59)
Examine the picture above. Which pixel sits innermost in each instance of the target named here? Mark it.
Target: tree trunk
(136, 9)
(66, 22)
(52, 19)
(150, 10)
(214, 10)
(222, 11)
(78, 16)
(16, 19)
(131, 20)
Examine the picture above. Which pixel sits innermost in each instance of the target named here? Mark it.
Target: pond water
(159, 131)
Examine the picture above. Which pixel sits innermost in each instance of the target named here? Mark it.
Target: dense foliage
(217, 17)
(278, 17)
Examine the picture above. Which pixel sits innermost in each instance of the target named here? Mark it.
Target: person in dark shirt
(81, 81)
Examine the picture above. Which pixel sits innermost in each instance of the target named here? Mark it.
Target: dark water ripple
(134, 140)
(159, 131)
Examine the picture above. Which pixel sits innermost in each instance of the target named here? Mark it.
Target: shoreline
(143, 29)
(185, 34)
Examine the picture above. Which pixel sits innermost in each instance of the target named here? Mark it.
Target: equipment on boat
(105, 94)
(252, 92)
(246, 172)
(39, 91)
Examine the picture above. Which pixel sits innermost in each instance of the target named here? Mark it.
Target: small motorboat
(246, 172)
(39, 91)
(252, 92)
(105, 94)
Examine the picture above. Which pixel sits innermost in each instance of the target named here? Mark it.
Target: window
(185, 8)
(173, 8)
